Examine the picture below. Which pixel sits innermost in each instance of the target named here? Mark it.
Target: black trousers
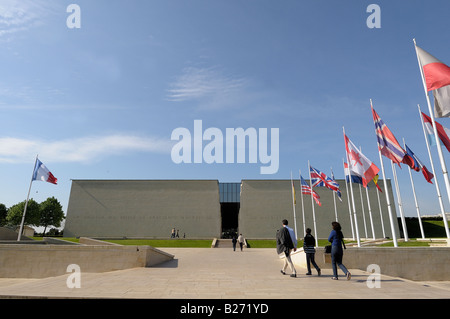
(310, 260)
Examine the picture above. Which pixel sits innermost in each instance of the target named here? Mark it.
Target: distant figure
(173, 233)
(336, 239)
(286, 243)
(234, 241)
(308, 247)
(178, 236)
(241, 241)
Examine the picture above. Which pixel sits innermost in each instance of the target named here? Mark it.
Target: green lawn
(192, 243)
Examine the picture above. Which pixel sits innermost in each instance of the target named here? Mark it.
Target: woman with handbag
(336, 239)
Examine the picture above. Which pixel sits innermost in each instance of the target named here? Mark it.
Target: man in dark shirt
(285, 245)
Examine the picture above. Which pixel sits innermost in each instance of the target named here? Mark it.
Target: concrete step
(224, 243)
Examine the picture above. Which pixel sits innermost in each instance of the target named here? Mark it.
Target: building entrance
(230, 217)
(230, 196)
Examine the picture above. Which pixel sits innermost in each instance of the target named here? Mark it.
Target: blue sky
(101, 101)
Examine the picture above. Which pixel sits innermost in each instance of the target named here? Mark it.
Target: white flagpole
(368, 205)
(312, 203)
(436, 183)
(388, 202)
(439, 148)
(363, 212)
(293, 206)
(370, 213)
(399, 201)
(415, 197)
(381, 214)
(303, 206)
(348, 199)
(26, 203)
(358, 240)
(334, 200)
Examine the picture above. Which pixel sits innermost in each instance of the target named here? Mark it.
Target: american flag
(308, 191)
(387, 143)
(319, 179)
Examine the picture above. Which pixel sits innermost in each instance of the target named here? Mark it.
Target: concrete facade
(151, 208)
(143, 208)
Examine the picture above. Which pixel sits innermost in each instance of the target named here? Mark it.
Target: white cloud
(85, 149)
(209, 86)
(21, 15)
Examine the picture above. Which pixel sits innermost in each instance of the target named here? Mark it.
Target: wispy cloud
(209, 86)
(83, 150)
(21, 15)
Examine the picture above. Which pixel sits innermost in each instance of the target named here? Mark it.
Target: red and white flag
(359, 164)
(41, 173)
(442, 131)
(437, 79)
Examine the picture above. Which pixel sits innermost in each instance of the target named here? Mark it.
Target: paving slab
(221, 273)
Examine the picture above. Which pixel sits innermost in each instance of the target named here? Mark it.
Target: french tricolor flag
(41, 173)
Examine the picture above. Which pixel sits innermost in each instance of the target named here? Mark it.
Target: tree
(51, 213)
(15, 213)
(3, 213)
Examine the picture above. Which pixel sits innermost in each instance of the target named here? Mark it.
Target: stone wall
(414, 263)
(40, 261)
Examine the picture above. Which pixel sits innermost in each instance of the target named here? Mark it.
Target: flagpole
(312, 203)
(303, 206)
(363, 212)
(348, 200)
(26, 203)
(439, 148)
(334, 199)
(399, 201)
(358, 240)
(438, 190)
(381, 214)
(368, 205)
(388, 202)
(293, 206)
(415, 197)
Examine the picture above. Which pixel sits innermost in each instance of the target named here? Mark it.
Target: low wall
(413, 263)
(40, 261)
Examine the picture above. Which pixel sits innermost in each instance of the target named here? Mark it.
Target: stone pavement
(220, 273)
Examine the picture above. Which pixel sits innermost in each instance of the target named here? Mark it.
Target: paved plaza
(221, 273)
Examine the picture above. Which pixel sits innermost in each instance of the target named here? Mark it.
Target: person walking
(241, 241)
(286, 243)
(336, 239)
(309, 243)
(234, 241)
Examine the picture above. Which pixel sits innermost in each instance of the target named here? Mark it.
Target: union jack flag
(319, 179)
(387, 143)
(308, 191)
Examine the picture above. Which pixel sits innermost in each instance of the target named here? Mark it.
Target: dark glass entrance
(230, 196)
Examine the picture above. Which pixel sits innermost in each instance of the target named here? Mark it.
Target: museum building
(211, 209)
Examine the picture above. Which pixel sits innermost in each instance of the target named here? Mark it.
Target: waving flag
(319, 178)
(442, 131)
(41, 173)
(375, 180)
(355, 178)
(417, 165)
(437, 79)
(359, 164)
(387, 143)
(308, 191)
